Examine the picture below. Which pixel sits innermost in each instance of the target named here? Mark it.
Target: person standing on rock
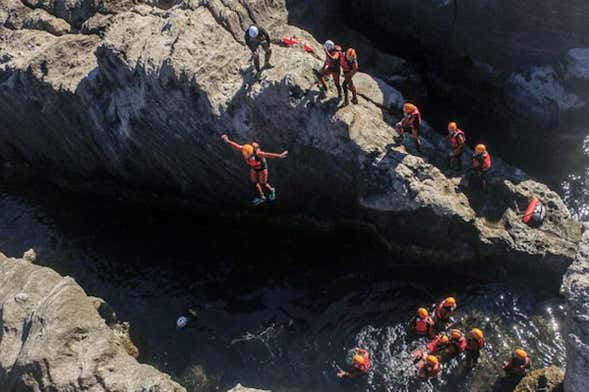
(255, 158)
(457, 141)
(411, 122)
(481, 164)
(332, 66)
(349, 64)
(257, 37)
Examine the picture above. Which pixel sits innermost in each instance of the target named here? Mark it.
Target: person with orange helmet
(443, 312)
(429, 368)
(519, 363)
(481, 164)
(255, 158)
(457, 142)
(358, 361)
(331, 67)
(457, 343)
(474, 344)
(439, 345)
(422, 324)
(411, 122)
(349, 63)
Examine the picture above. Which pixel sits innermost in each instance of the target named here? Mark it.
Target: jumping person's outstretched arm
(231, 143)
(263, 154)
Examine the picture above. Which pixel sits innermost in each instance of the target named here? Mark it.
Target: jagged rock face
(52, 338)
(144, 102)
(575, 288)
(508, 35)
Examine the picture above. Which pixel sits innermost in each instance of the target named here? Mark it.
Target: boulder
(52, 338)
(42, 20)
(575, 287)
(144, 105)
(542, 380)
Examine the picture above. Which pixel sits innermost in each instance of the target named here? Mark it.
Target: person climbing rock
(422, 324)
(457, 343)
(474, 344)
(255, 158)
(257, 37)
(349, 63)
(429, 368)
(519, 363)
(332, 66)
(358, 361)
(457, 141)
(443, 312)
(481, 164)
(411, 122)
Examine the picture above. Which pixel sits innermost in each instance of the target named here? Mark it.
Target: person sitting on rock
(519, 363)
(255, 158)
(474, 344)
(411, 122)
(422, 324)
(349, 64)
(481, 164)
(443, 312)
(359, 362)
(457, 141)
(333, 54)
(429, 368)
(257, 37)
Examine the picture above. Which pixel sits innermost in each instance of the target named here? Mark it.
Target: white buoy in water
(182, 321)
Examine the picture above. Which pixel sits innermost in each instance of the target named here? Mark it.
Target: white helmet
(182, 321)
(253, 31)
(329, 45)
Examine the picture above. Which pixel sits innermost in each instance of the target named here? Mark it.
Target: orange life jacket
(422, 325)
(454, 138)
(442, 313)
(366, 365)
(430, 371)
(334, 63)
(348, 66)
(482, 161)
(409, 121)
(474, 344)
(256, 163)
(518, 366)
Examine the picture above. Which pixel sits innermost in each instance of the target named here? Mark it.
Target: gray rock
(57, 341)
(30, 256)
(145, 104)
(240, 388)
(42, 20)
(577, 63)
(549, 379)
(575, 288)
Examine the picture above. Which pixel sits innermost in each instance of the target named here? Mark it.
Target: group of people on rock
(336, 61)
(442, 348)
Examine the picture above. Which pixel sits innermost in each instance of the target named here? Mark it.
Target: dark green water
(278, 308)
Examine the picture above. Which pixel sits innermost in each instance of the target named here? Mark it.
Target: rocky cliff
(53, 339)
(531, 55)
(138, 96)
(575, 288)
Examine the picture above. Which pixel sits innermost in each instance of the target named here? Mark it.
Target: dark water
(278, 308)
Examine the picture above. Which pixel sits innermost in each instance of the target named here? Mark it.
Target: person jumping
(255, 158)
